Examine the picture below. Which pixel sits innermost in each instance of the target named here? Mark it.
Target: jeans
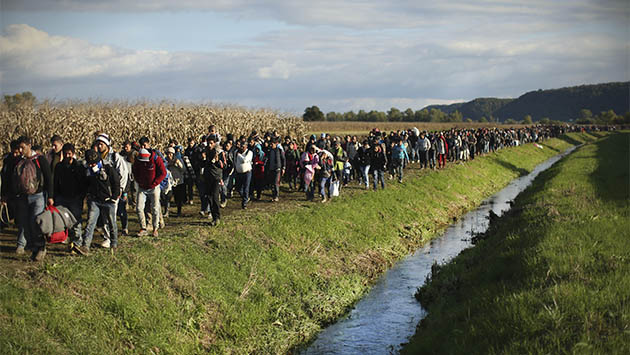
(26, 208)
(153, 197)
(213, 186)
(103, 220)
(379, 175)
(121, 211)
(424, 158)
(243, 181)
(203, 196)
(75, 205)
(274, 176)
(189, 182)
(365, 171)
(95, 209)
(322, 187)
(398, 169)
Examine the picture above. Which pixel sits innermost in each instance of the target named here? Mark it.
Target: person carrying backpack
(149, 171)
(103, 146)
(32, 182)
(103, 189)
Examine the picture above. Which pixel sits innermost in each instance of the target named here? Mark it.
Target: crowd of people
(218, 167)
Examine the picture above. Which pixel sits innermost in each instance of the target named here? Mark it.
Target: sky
(340, 55)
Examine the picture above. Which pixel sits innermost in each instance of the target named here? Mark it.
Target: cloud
(279, 69)
(335, 69)
(35, 53)
(363, 14)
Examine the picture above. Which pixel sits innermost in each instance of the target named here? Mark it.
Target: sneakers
(82, 250)
(39, 254)
(105, 244)
(19, 250)
(275, 199)
(324, 199)
(125, 231)
(142, 233)
(215, 222)
(155, 233)
(202, 213)
(223, 204)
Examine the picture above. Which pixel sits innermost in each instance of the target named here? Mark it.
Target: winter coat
(103, 183)
(8, 165)
(275, 160)
(378, 161)
(120, 164)
(69, 180)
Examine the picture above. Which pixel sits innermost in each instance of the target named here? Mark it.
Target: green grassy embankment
(552, 276)
(263, 281)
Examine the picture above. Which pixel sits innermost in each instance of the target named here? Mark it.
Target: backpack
(27, 176)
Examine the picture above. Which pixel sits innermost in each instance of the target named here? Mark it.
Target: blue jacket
(399, 153)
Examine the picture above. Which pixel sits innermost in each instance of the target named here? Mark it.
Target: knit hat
(144, 155)
(103, 137)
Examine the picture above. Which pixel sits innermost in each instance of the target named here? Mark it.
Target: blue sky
(340, 55)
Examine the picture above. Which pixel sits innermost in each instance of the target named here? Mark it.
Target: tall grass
(553, 276)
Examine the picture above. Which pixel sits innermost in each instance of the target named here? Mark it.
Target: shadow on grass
(612, 176)
(570, 140)
(508, 165)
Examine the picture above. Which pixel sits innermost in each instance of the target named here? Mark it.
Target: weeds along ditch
(266, 280)
(550, 276)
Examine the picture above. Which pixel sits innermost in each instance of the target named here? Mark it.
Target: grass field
(553, 276)
(266, 280)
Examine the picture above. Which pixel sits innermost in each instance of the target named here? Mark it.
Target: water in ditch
(387, 316)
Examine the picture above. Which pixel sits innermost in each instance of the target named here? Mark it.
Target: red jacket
(149, 174)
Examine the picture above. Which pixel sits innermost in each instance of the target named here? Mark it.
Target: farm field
(552, 276)
(266, 280)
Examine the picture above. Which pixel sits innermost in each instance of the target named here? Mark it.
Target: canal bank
(549, 277)
(264, 281)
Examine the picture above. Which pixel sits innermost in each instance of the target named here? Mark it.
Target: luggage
(54, 223)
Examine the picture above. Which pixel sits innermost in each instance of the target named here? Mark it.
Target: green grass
(264, 281)
(552, 276)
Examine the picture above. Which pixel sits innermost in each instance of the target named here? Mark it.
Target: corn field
(79, 122)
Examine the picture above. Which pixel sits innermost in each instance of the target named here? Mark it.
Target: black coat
(275, 160)
(69, 180)
(103, 185)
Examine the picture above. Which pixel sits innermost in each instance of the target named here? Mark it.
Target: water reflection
(387, 316)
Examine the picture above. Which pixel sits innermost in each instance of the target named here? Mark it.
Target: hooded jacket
(149, 174)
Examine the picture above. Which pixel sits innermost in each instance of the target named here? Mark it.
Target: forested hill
(475, 109)
(557, 104)
(565, 104)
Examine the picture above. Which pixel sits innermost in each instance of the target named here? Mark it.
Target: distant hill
(475, 109)
(557, 104)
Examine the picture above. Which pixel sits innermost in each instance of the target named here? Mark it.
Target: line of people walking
(107, 181)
